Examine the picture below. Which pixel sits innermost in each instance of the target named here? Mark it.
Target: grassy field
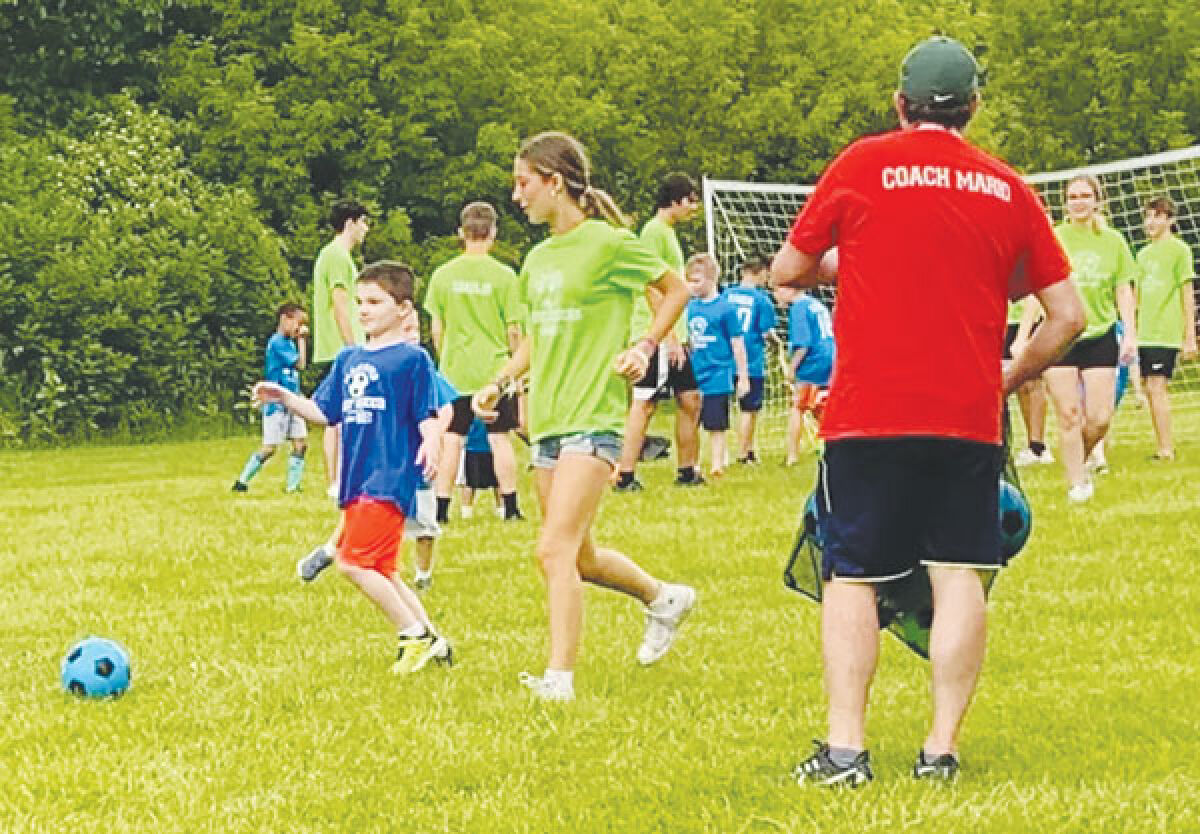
(260, 704)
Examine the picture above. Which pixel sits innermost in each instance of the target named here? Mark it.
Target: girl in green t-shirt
(577, 287)
(1082, 384)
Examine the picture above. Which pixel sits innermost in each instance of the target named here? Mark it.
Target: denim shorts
(605, 445)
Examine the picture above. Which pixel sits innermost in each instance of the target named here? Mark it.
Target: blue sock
(250, 469)
(295, 471)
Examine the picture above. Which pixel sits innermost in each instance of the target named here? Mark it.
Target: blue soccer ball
(1016, 519)
(96, 668)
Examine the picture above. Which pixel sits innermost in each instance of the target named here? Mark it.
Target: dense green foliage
(263, 705)
(417, 107)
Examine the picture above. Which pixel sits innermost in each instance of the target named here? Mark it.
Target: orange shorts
(810, 398)
(371, 535)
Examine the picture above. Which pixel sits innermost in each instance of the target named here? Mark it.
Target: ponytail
(596, 202)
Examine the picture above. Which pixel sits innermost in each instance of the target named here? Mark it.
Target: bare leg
(1160, 414)
(640, 412)
(1062, 384)
(716, 449)
(452, 448)
(850, 651)
(1100, 389)
(957, 643)
(386, 594)
(423, 555)
(746, 425)
(504, 461)
(795, 435)
(331, 445)
(687, 428)
(1036, 420)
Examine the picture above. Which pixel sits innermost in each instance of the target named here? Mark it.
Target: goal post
(745, 219)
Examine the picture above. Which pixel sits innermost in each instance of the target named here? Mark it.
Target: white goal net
(745, 219)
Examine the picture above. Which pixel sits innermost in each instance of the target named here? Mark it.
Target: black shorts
(505, 421)
(754, 397)
(714, 412)
(893, 503)
(1098, 352)
(663, 380)
(1157, 361)
(478, 470)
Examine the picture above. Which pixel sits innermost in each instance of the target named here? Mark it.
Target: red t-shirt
(933, 237)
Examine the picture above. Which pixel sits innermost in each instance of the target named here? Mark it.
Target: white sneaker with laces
(1081, 493)
(546, 690)
(1026, 457)
(663, 619)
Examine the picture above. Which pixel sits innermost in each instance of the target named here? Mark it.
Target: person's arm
(483, 402)
(302, 347)
(797, 360)
(437, 332)
(514, 338)
(792, 268)
(1065, 320)
(739, 361)
(1029, 318)
(1188, 295)
(429, 452)
(1127, 308)
(667, 301)
(341, 315)
(270, 392)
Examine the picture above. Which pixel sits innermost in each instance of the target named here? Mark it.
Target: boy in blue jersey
(384, 397)
(423, 527)
(478, 470)
(285, 358)
(811, 348)
(718, 353)
(756, 315)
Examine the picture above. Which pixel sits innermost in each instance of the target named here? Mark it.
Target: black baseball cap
(940, 73)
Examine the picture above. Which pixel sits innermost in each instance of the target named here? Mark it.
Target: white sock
(417, 629)
(424, 574)
(560, 678)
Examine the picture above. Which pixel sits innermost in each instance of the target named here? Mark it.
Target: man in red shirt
(932, 236)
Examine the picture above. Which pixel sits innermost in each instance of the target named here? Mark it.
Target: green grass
(260, 704)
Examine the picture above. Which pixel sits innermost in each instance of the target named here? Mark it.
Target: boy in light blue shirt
(756, 315)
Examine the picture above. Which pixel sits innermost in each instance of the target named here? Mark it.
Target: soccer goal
(744, 219)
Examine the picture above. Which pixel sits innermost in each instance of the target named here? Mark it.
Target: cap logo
(942, 98)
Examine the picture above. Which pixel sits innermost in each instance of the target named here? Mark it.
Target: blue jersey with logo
(811, 328)
(380, 398)
(712, 327)
(756, 315)
(280, 367)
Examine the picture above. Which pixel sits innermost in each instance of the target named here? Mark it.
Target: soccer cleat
(750, 459)
(414, 653)
(1081, 493)
(238, 486)
(633, 486)
(820, 769)
(663, 621)
(943, 768)
(423, 583)
(310, 567)
(547, 690)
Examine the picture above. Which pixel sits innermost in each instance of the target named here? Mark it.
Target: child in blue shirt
(478, 470)
(383, 395)
(811, 352)
(718, 353)
(756, 315)
(285, 358)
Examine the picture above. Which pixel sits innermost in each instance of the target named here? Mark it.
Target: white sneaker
(499, 512)
(1081, 493)
(1046, 456)
(1026, 457)
(466, 512)
(663, 620)
(547, 690)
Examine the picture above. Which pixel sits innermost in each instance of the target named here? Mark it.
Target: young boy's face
(756, 277)
(293, 322)
(1157, 223)
(379, 313)
(700, 281)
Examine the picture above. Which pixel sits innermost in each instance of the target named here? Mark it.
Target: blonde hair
(554, 152)
(706, 260)
(477, 220)
(1097, 221)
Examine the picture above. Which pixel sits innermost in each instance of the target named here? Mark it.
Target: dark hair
(289, 308)
(755, 263)
(955, 118)
(343, 211)
(1162, 205)
(554, 152)
(674, 187)
(477, 220)
(393, 277)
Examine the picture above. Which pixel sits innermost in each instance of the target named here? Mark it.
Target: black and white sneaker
(820, 769)
(310, 567)
(943, 768)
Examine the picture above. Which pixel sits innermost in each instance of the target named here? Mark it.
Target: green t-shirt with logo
(578, 289)
(1100, 262)
(475, 298)
(333, 269)
(660, 238)
(1166, 271)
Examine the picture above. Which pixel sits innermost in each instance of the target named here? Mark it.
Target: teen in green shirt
(578, 286)
(476, 315)
(1166, 315)
(1104, 272)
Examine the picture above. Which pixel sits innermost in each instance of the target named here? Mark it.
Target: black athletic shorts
(754, 397)
(893, 503)
(1157, 361)
(1098, 352)
(663, 380)
(505, 421)
(714, 412)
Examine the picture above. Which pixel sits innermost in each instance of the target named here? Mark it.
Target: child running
(286, 351)
(578, 286)
(383, 395)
